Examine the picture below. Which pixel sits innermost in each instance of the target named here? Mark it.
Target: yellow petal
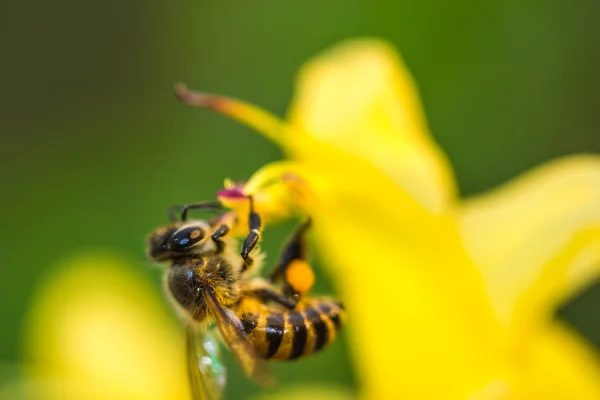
(312, 392)
(560, 366)
(360, 98)
(416, 315)
(98, 330)
(519, 232)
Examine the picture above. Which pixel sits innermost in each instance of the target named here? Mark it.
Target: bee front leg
(221, 231)
(253, 237)
(223, 225)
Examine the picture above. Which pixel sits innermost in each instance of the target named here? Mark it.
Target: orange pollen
(300, 276)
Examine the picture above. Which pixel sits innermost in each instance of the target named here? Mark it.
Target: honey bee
(258, 319)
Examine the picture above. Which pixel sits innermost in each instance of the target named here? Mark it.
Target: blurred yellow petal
(561, 366)
(358, 97)
(98, 330)
(309, 392)
(536, 306)
(417, 312)
(515, 232)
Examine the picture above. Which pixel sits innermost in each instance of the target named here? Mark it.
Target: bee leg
(206, 205)
(295, 248)
(221, 231)
(252, 238)
(293, 268)
(222, 225)
(267, 294)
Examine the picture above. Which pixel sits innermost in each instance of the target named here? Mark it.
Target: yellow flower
(97, 330)
(446, 298)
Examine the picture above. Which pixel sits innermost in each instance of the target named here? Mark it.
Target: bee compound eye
(186, 237)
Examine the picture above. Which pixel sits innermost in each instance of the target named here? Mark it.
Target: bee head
(177, 240)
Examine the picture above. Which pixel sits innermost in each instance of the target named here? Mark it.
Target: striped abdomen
(288, 334)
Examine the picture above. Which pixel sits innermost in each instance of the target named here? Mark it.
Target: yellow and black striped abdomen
(289, 334)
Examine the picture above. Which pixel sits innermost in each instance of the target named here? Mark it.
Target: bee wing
(232, 332)
(206, 374)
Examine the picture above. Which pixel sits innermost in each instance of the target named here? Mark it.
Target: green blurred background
(94, 148)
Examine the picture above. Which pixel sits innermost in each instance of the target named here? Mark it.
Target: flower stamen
(262, 121)
(276, 172)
